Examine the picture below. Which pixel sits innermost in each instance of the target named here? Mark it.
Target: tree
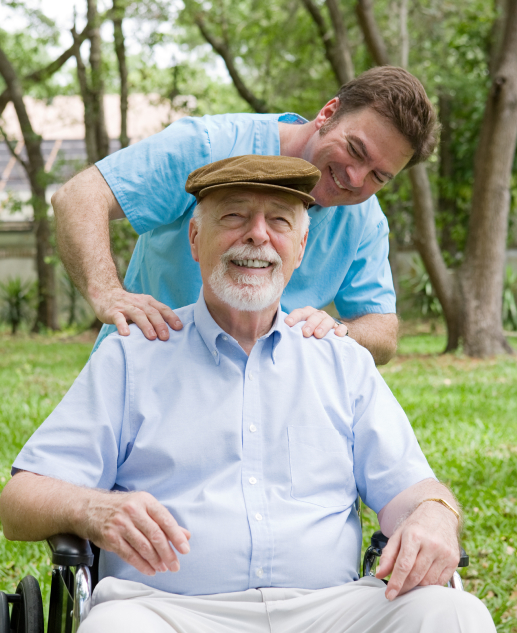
(471, 296)
(120, 49)
(35, 168)
(91, 85)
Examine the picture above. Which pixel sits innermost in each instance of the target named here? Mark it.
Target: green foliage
(17, 298)
(123, 241)
(509, 300)
(418, 292)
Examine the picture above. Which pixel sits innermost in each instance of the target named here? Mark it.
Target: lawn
(464, 413)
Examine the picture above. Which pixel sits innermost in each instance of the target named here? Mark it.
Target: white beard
(248, 293)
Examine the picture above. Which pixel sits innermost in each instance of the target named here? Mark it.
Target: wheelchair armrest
(69, 550)
(379, 542)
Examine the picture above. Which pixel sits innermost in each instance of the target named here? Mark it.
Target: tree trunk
(446, 201)
(120, 49)
(97, 82)
(342, 54)
(35, 168)
(334, 52)
(90, 137)
(223, 49)
(373, 37)
(482, 272)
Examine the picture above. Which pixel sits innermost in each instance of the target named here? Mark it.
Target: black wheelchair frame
(75, 574)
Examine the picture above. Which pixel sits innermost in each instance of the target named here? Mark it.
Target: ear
(193, 232)
(326, 112)
(303, 244)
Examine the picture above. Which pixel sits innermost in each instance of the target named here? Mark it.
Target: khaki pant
(357, 607)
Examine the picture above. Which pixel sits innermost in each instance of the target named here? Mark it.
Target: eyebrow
(364, 151)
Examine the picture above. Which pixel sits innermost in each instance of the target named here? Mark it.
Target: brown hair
(400, 98)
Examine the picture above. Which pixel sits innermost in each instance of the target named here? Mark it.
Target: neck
(245, 327)
(294, 138)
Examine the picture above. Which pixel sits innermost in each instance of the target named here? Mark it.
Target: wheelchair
(75, 574)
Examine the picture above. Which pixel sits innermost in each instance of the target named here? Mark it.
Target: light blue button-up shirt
(260, 457)
(346, 258)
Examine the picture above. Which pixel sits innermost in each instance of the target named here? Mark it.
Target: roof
(63, 117)
(60, 122)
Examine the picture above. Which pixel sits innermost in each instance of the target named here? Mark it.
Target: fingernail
(178, 324)
(288, 320)
(307, 330)
(319, 329)
(175, 566)
(152, 333)
(391, 594)
(162, 567)
(184, 548)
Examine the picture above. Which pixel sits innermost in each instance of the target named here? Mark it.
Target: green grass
(35, 373)
(464, 413)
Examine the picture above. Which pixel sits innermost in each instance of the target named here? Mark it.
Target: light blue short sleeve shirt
(346, 258)
(260, 457)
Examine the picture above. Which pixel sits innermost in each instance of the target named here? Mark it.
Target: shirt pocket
(321, 466)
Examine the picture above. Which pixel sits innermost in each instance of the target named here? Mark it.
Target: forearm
(405, 503)
(376, 332)
(33, 508)
(83, 208)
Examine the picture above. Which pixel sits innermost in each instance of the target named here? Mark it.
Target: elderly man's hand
(424, 550)
(121, 307)
(318, 322)
(138, 528)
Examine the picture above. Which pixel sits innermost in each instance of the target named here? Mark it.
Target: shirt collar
(210, 331)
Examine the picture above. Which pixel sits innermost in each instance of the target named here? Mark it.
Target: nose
(256, 230)
(357, 175)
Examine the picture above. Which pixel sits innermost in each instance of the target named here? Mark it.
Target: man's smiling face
(248, 242)
(356, 157)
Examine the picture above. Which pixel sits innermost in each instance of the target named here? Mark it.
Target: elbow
(55, 201)
(386, 353)
(5, 513)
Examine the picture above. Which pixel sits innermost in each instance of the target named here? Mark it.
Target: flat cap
(281, 173)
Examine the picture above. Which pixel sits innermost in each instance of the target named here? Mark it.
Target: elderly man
(253, 439)
(378, 124)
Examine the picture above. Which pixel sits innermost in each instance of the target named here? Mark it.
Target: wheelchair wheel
(27, 615)
(4, 614)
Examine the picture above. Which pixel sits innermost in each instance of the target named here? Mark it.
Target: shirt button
(258, 517)
(252, 480)
(225, 338)
(260, 572)
(250, 376)
(253, 428)
(214, 353)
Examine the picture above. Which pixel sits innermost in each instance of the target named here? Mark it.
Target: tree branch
(224, 51)
(12, 150)
(374, 40)
(342, 47)
(44, 73)
(329, 44)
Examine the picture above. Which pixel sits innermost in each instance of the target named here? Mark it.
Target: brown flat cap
(281, 173)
